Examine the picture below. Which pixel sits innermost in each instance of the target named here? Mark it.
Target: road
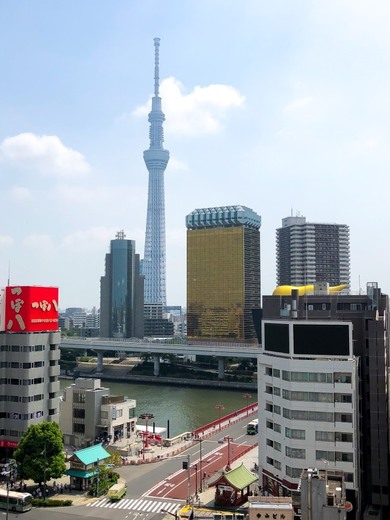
(163, 485)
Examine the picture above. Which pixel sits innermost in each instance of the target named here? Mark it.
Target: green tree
(40, 454)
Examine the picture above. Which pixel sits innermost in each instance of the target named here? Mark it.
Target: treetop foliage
(40, 453)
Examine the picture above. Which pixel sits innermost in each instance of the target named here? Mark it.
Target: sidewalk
(182, 442)
(169, 448)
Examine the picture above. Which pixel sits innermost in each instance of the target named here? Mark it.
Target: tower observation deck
(156, 160)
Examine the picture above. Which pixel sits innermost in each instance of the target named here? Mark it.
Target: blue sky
(280, 106)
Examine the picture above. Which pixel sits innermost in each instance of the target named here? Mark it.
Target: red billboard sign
(8, 444)
(31, 308)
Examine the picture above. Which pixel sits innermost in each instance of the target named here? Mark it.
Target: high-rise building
(308, 253)
(29, 361)
(323, 382)
(156, 160)
(122, 292)
(223, 273)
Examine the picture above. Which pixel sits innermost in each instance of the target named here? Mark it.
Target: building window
(343, 417)
(343, 398)
(78, 428)
(342, 377)
(276, 390)
(308, 415)
(277, 464)
(79, 397)
(277, 409)
(277, 428)
(343, 456)
(78, 414)
(295, 434)
(277, 446)
(326, 455)
(276, 372)
(295, 453)
(293, 472)
(307, 377)
(270, 425)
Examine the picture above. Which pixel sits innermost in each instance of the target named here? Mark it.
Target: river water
(185, 408)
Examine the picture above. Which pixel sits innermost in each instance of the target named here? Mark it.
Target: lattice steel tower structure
(156, 160)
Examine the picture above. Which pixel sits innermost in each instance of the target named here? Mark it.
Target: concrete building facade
(223, 273)
(29, 384)
(307, 253)
(89, 413)
(357, 381)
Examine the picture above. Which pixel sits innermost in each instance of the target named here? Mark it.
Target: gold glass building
(223, 273)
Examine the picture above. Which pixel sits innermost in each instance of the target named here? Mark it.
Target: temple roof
(238, 478)
(92, 454)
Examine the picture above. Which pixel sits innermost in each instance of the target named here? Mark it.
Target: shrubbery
(51, 502)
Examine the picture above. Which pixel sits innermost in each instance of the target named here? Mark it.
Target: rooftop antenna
(9, 272)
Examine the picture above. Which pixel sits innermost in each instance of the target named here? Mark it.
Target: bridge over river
(159, 347)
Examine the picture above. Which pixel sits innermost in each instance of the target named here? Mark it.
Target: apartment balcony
(53, 387)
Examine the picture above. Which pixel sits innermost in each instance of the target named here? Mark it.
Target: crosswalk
(137, 504)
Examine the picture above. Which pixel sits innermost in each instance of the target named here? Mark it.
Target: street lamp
(247, 397)
(7, 510)
(228, 439)
(146, 417)
(219, 407)
(44, 471)
(198, 439)
(97, 478)
(196, 480)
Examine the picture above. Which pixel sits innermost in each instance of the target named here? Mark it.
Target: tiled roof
(92, 454)
(79, 473)
(239, 477)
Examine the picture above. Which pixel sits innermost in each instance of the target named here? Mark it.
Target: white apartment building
(307, 252)
(29, 385)
(88, 412)
(308, 403)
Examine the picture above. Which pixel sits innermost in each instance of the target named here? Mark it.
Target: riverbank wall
(112, 375)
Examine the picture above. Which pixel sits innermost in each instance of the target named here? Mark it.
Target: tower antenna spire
(156, 67)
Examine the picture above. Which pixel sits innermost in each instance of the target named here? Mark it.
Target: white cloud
(298, 104)
(45, 153)
(6, 240)
(198, 112)
(95, 237)
(177, 165)
(39, 242)
(20, 193)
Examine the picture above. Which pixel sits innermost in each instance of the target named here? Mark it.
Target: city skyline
(287, 114)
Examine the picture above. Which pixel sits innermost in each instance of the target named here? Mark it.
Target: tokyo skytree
(156, 160)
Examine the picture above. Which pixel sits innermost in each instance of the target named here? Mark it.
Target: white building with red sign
(29, 360)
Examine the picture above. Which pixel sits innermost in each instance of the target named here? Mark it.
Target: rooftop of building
(223, 216)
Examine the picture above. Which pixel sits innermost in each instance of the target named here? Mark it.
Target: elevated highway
(158, 347)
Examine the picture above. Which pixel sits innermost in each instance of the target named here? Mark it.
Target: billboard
(30, 308)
